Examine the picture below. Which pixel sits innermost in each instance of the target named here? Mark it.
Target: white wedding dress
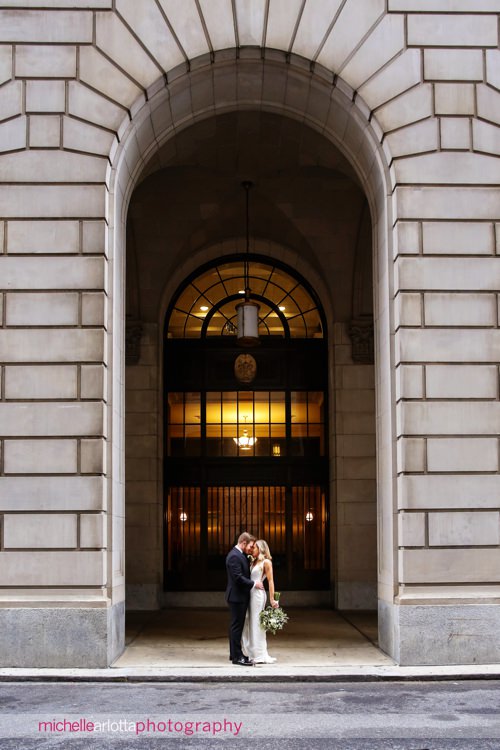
(253, 640)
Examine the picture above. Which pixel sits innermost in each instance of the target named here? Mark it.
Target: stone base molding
(61, 637)
(432, 635)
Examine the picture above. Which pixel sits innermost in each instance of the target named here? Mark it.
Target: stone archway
(312, 102)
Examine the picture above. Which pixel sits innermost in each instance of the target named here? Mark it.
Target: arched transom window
(206, 305)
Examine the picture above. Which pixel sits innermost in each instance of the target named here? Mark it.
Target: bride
(253, 640)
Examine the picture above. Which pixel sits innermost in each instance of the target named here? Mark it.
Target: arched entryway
(310, 253)
(178, 180)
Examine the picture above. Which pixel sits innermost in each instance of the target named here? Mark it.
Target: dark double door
(214, 489)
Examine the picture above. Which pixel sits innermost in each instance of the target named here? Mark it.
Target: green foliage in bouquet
(271, 620)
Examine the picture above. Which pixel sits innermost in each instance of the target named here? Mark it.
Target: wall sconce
(183, 516)
(309, 516)
(276, 450)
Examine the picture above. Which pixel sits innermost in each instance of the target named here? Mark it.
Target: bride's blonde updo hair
(264, 551)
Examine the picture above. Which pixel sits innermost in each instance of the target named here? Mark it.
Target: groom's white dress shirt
(240, 550)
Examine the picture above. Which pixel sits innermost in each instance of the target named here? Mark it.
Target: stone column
(354, 477)
(57, 607)
(438, 600)
(448, 345)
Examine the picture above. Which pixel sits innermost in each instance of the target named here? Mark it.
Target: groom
(239, 585)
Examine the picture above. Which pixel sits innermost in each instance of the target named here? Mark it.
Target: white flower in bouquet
(273, 619)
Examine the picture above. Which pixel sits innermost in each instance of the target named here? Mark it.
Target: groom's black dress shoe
(243, 662)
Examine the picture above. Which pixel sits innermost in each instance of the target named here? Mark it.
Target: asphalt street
(213, 716)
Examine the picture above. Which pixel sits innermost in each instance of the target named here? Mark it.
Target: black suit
(239, 585)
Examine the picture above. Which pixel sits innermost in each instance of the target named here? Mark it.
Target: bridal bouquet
(271, 620)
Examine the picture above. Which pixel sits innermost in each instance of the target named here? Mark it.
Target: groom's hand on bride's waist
(259, 585)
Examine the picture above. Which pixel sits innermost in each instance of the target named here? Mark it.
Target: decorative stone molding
(133, 334)
(362, 339)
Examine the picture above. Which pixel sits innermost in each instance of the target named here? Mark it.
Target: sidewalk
(317, 645)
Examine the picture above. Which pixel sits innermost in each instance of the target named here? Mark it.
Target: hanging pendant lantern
(248, 323)
(247, 311)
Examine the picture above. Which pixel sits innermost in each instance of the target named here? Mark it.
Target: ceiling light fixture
(245, 442)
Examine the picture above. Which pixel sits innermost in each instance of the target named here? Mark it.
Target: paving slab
(194, 638)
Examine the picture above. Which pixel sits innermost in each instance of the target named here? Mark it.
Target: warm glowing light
(282, 308)
(241, 291)
(276, 450)
(183, 517)
(245, 442)
(248, 323)
(309, 516)
(234, 412)
(203, 308)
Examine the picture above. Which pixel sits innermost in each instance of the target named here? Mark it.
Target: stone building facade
(371, 130)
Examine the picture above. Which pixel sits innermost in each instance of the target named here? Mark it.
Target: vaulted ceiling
(306, 197)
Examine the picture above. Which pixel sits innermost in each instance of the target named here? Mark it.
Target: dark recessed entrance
(246, 439)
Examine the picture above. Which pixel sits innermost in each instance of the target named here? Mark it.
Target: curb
(223, 675)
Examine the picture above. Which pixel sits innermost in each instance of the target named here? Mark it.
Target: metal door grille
(183, 528)
(309, 524)
(231, 510)
(202, 524)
